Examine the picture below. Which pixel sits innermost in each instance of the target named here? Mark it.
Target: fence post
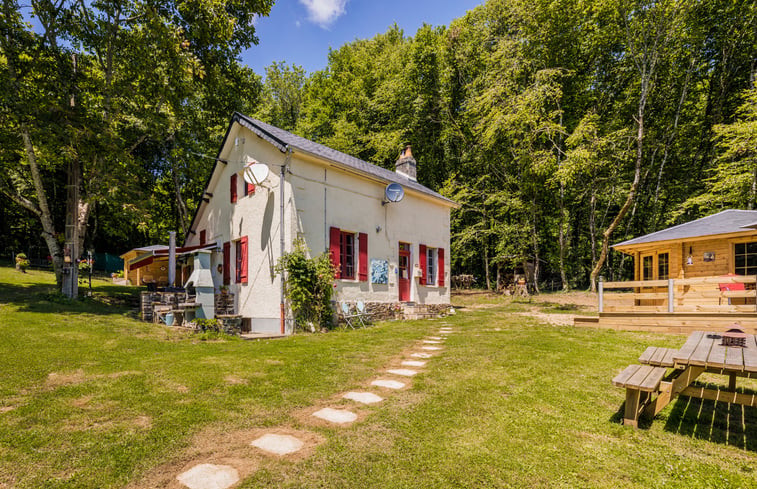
(671, 295)
(601, 295)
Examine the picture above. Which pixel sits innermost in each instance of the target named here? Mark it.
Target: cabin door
(404, 272)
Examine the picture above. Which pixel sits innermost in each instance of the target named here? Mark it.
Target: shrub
(308, 286)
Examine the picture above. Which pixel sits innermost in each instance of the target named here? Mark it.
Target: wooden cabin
(154, 272)
(699, 275)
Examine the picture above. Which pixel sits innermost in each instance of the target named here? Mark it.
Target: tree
(98, 81)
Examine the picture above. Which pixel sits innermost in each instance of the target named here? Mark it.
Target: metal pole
(671, 293)
(171, 258)
(601, 295)
(282, 173)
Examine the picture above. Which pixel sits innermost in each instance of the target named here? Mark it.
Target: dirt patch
(143, 422)
(116, 375)
(221, 447)
(5, 409)
(234, 380)
(60, 379)
(553, 319)
(82, 402)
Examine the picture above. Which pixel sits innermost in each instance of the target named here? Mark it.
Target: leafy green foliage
(308, 286)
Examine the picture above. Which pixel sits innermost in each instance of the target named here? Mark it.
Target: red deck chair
(727, 287)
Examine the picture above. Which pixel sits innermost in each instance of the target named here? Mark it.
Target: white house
(389, 254)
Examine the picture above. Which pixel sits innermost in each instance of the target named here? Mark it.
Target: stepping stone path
(209, 476)
(389, 384)
(413, 363)
(338, 416)
(421, 355)
(405, 372)
(364, 397)
(278, 444)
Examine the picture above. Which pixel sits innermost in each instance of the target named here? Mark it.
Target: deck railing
(703, 294)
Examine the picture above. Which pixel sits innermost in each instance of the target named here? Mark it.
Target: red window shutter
(249, 188)
(202, 237)
(243, 248)
(227, 263)
(233, 188)
(422, 260)
(440, 265)
(335, 249)
(362, 260)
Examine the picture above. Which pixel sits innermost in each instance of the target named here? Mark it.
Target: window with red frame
(233, 187)
(347, 255)
(240, 254)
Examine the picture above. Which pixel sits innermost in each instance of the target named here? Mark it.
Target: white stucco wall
(317, 196)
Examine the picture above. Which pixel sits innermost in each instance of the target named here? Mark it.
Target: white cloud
(324, 12)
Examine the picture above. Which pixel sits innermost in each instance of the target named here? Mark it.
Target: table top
(705, 349)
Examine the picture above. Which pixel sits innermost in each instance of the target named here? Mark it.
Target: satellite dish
(255, 172)
(393, 193)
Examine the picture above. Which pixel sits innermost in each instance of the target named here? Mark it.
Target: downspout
(282, 173)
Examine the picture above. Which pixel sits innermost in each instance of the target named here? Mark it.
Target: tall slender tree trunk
(535, 237)
(42, 209)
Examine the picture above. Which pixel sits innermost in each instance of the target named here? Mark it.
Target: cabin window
(646, 268)
(745, 258)
(663, 266)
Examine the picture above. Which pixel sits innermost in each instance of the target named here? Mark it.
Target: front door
(404, 272)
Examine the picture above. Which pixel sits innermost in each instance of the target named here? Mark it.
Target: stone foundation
(382, 311)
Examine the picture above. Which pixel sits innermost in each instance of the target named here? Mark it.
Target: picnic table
(650, 387)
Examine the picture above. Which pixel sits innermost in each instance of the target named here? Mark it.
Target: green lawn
(92, 398)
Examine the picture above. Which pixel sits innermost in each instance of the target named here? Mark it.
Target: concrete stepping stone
(413, 363)
(278, 444)
(405, 372)
(435, 338)
(431, 342)
(431, 348)
(363, 397)
(338, 416)
(209, 476)
(421, 355)
(389, 384)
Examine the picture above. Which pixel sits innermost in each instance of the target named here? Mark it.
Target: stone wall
(382, 311)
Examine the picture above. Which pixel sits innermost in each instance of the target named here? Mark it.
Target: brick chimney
(406, 164)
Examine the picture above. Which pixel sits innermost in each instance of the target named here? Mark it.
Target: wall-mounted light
(378, 229)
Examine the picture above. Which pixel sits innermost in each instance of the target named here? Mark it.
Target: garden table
(702, 352)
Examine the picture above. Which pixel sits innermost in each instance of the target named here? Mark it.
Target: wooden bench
(658, 356)
(640, 382)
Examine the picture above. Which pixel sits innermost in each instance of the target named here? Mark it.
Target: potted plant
(22, 262)
(224, 289)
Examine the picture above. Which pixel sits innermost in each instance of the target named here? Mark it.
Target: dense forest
(560, 126)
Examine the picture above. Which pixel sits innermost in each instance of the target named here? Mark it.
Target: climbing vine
(308, 286)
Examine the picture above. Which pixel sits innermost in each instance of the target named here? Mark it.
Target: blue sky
(301, 31)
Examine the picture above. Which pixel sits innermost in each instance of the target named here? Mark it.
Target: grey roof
(281, 139)
(724, 222)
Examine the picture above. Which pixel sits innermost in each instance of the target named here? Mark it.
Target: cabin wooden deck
(676, 305)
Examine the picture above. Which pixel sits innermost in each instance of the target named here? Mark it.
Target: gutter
(282, 174)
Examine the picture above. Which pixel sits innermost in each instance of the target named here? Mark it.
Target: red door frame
(404, 283)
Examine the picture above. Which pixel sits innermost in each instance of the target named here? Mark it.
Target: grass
(92, 398)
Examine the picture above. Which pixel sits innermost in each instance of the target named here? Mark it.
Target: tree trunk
(181, 208)
(564, 223)
(43, 210)
(593, 227)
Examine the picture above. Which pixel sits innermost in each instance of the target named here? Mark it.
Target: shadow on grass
(44, 298)
(718, 422)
